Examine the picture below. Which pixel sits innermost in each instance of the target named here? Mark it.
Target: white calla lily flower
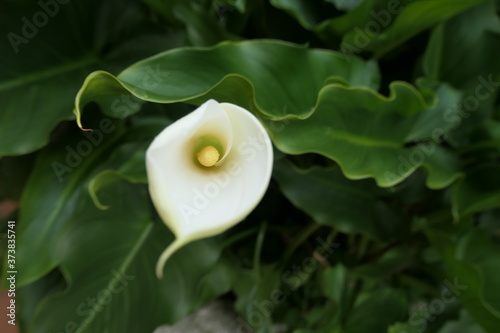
(207, 172)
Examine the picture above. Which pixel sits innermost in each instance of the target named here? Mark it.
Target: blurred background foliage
(383, 213)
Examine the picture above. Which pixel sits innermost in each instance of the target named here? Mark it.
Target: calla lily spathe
(207, 172)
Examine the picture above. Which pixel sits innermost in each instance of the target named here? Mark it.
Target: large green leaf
(52, 193)
(376, 311)
(69, 40)
(338, 286)
(408, 19)
(128, 161)
(345, 5)
(307, 13)
(30, 296)
(203, 27)
(376, 26)
(463, 51)
(478, 190)
(108, 259)
(314, 19)
(331, 199)
(367, 133)
(483, 258)
(258, 296)
(98, 251)
(254, 74)
(59, 180)
(471, 271)
(460, 38)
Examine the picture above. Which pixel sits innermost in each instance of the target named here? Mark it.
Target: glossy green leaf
(253, 74)
(384, 159)
(258, 296)
(29, 297)
(331, 199)
(108, 257)
(321, 319)
(376, 26)
(470, 271)
(325, 26)
(435, 122)
(336, 284)
(479, 190)
(473, 36)
(381, 155)
(483, 259)
(132, 169)
(408, 19)
(203, 27)
(50, 197)
(37, 95)
(461, 38)
(128, 161)
(59, 181)
(346, 5)
(366, 134)
(376, 312)
(308, 13)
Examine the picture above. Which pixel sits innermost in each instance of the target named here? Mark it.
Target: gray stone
(216, 317)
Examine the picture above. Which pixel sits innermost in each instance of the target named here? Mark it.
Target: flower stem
(258, 250)
(235, 238)
(301, 237)
(167, 253)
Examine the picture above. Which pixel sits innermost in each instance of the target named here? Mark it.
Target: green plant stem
(258, 251)
(352, 300)
(301, 237)
(249, 232)
(363, 246)
(236, 238)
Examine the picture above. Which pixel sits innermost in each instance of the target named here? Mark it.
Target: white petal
(169, 160)
(234, 189)
(194, 202)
